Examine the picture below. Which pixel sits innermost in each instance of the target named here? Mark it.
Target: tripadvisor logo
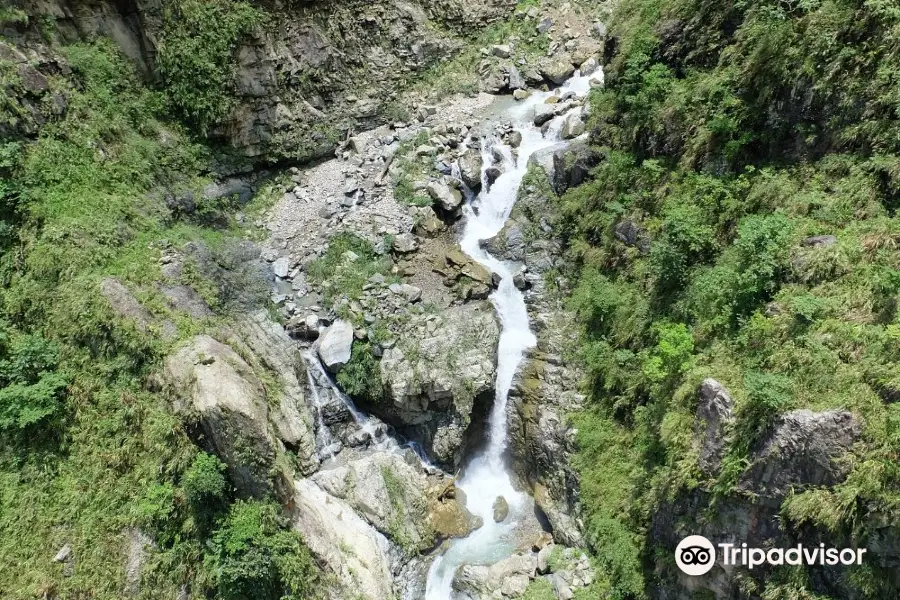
(696, 555)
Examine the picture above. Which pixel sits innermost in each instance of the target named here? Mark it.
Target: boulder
(449, 199)
(210, 380)
(633, 235)
(543, 559)
(714, 413)
(820, 240)
(572, 125)
(137, 547)
(410, 292)
(566, 164)
(185, 299)
(557, 70)
(515, 81)
(500, 50)
(289, 415)
(388, 493)
(405, 243)
(508, 244)
(801, 450)
(543, 113)
(509, 576)
(125, 304)
(470, 164)
(433, 376)
(335, 345)
(501, 509)
(281, 267)
(427, 222)
(448, 514)
(346, 547)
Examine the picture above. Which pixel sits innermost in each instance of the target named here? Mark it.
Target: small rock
(405, 243)
(501, 509)
(545, 25)
(514, 139)
(63, 555)
(520, 94)
(500, 50)
(281, 267)
(425, 150)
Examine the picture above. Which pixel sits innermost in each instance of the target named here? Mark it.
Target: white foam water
(486, 476)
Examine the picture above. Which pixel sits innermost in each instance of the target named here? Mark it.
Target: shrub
(361, 376)
(252, 557)
(673, 354)
(346, 265)
(31, 391)
(205, 479)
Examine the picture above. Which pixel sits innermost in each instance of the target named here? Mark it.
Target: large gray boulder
(714, 413)
(212, 383)
(290, 413)
(557, 70)
(566, 164)
(509, 576)
(335, 345)
(348, 548)
(433, 374)
(387, 492)
(447, 198)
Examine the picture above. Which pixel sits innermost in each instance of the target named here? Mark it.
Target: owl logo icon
(695, 555)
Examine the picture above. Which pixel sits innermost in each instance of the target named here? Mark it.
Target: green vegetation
(346, 265)
(88, 452)
(710, 151)
(361, 377)
(252, 556)
(195, 55)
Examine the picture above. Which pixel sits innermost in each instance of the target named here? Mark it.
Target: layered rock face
(801, 450)
(314, 72)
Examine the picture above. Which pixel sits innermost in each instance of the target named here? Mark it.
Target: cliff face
(296, 83)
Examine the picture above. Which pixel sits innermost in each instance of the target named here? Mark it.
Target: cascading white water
(486, 476)
(327, 445)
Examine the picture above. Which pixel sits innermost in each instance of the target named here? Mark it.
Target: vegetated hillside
(742, 227)
(92, 461)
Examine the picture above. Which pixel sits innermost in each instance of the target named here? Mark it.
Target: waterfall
(486, 475)
(319, 380)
